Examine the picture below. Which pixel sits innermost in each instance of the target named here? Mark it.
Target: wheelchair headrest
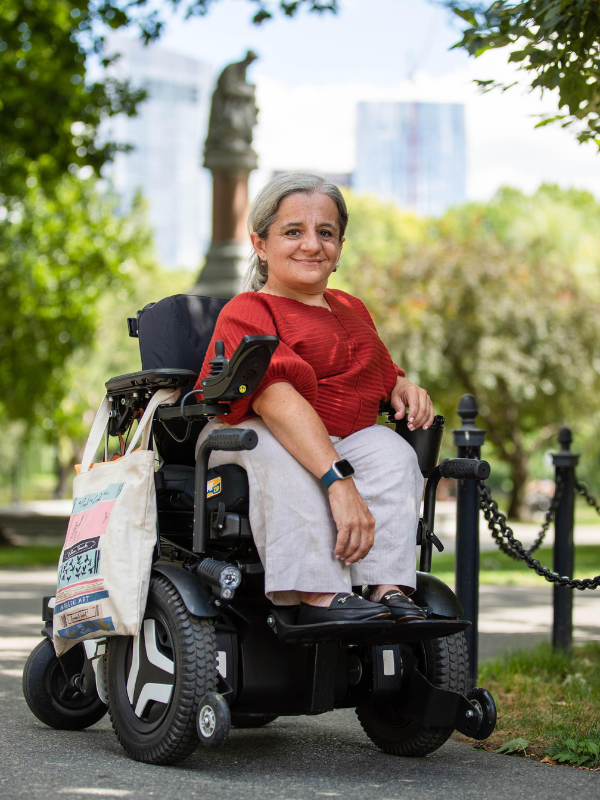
(175, 332)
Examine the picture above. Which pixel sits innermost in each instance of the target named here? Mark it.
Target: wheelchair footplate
(372, 632)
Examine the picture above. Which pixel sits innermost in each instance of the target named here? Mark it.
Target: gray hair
(265, 208)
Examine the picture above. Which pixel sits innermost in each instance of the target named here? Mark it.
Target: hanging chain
(582, 489)
(506, 541)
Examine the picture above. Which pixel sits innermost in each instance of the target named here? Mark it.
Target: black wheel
(247, 721)
(213, 721)
(484, 702)
(50, 698)
(444, 662)
(156, 679)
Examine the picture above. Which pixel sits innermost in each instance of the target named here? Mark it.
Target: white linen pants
(291, 519)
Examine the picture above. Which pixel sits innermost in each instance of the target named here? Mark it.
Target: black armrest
(150, 379)
(240, 375)
(427, 444)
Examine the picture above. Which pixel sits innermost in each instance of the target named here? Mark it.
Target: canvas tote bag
(104, 568)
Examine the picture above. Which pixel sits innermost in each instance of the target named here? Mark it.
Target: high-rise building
(412, 153)
(168, 137)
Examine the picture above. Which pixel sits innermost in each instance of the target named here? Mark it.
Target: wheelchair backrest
(175, 332)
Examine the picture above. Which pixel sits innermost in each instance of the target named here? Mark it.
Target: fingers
(420, 408)
(354, 522)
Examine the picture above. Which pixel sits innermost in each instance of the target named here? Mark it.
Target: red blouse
(334, 359)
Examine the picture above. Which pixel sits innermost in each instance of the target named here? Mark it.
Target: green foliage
(49, 112)
(58, 255)
(556, 42)
(518, 745)
(497, 569)
(540, 691)
(110, 353)
(30, 556)
(494, 300)
(580, 752)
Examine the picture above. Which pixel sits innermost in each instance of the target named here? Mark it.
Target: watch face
(345, 468)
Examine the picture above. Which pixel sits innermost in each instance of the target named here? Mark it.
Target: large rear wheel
(444, 662)
(157, 679)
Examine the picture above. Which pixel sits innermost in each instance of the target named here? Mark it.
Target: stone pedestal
(223, 271)
(229, 156)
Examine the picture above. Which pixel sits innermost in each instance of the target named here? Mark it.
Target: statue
(232, 119)
(229, 155)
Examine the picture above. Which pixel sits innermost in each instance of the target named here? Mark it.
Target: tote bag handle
(101, 421)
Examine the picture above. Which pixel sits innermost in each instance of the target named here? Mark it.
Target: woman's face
(303, 245)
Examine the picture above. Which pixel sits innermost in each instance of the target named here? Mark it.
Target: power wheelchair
(213, 651)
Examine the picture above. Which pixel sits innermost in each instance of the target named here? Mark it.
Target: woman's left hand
(420, 407)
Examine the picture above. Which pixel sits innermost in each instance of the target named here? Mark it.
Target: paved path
(295, 758)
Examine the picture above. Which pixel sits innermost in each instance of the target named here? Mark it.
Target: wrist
(339, 487)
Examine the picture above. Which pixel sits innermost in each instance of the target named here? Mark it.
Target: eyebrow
(299, 225)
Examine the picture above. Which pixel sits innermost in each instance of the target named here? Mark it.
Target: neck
(310, 296)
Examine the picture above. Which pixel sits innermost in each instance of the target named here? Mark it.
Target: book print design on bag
(80, 600)
(91, 514)
(84, 565)
(86, 614)
(77, 589)
(101, 626)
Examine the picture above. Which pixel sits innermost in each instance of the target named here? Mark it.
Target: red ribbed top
(335, 359)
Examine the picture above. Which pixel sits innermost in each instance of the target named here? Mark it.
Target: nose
(311, 243)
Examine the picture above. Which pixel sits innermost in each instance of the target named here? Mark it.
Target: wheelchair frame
(266, 664)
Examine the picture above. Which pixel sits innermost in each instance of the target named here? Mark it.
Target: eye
(292, 232)
(326, 233)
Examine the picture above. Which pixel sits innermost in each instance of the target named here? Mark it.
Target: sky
(312, 70)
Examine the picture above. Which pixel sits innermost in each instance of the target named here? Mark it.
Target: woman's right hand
(355, 523)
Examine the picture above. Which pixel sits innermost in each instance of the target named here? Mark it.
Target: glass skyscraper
(167, 137)
(412, 153)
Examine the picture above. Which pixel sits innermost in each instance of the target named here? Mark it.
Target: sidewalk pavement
(294, 758)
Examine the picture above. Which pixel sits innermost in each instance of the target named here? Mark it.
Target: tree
(470, 305)
(58, 255)
(49, 112)
(557, 42)
(110, 353)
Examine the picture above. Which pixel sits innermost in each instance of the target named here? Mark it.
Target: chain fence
(504, 536)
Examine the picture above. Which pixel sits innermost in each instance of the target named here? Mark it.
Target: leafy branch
(555, 41)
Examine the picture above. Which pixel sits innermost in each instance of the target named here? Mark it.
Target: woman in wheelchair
(335, 497)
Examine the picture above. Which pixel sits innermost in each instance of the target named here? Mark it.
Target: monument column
(230, 157)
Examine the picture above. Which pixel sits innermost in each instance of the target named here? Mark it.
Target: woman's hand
(354, 522)
(420, 407)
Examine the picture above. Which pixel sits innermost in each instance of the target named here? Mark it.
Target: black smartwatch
(340, 470)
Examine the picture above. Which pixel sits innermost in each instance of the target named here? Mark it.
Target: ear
(259, 246)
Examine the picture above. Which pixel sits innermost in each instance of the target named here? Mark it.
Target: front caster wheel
(157, 679)
(51, 699)
(485, 705)
(214, 721)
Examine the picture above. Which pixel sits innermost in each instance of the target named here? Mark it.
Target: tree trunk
(519, 466)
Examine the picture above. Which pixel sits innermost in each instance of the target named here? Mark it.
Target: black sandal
(401, 607)
(343, 608)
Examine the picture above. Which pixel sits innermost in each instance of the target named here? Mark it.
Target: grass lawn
(548, 704)
(500, 570)
(30, 556)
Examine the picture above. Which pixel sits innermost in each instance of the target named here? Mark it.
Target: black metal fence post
(468, 440)
(564, 551)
